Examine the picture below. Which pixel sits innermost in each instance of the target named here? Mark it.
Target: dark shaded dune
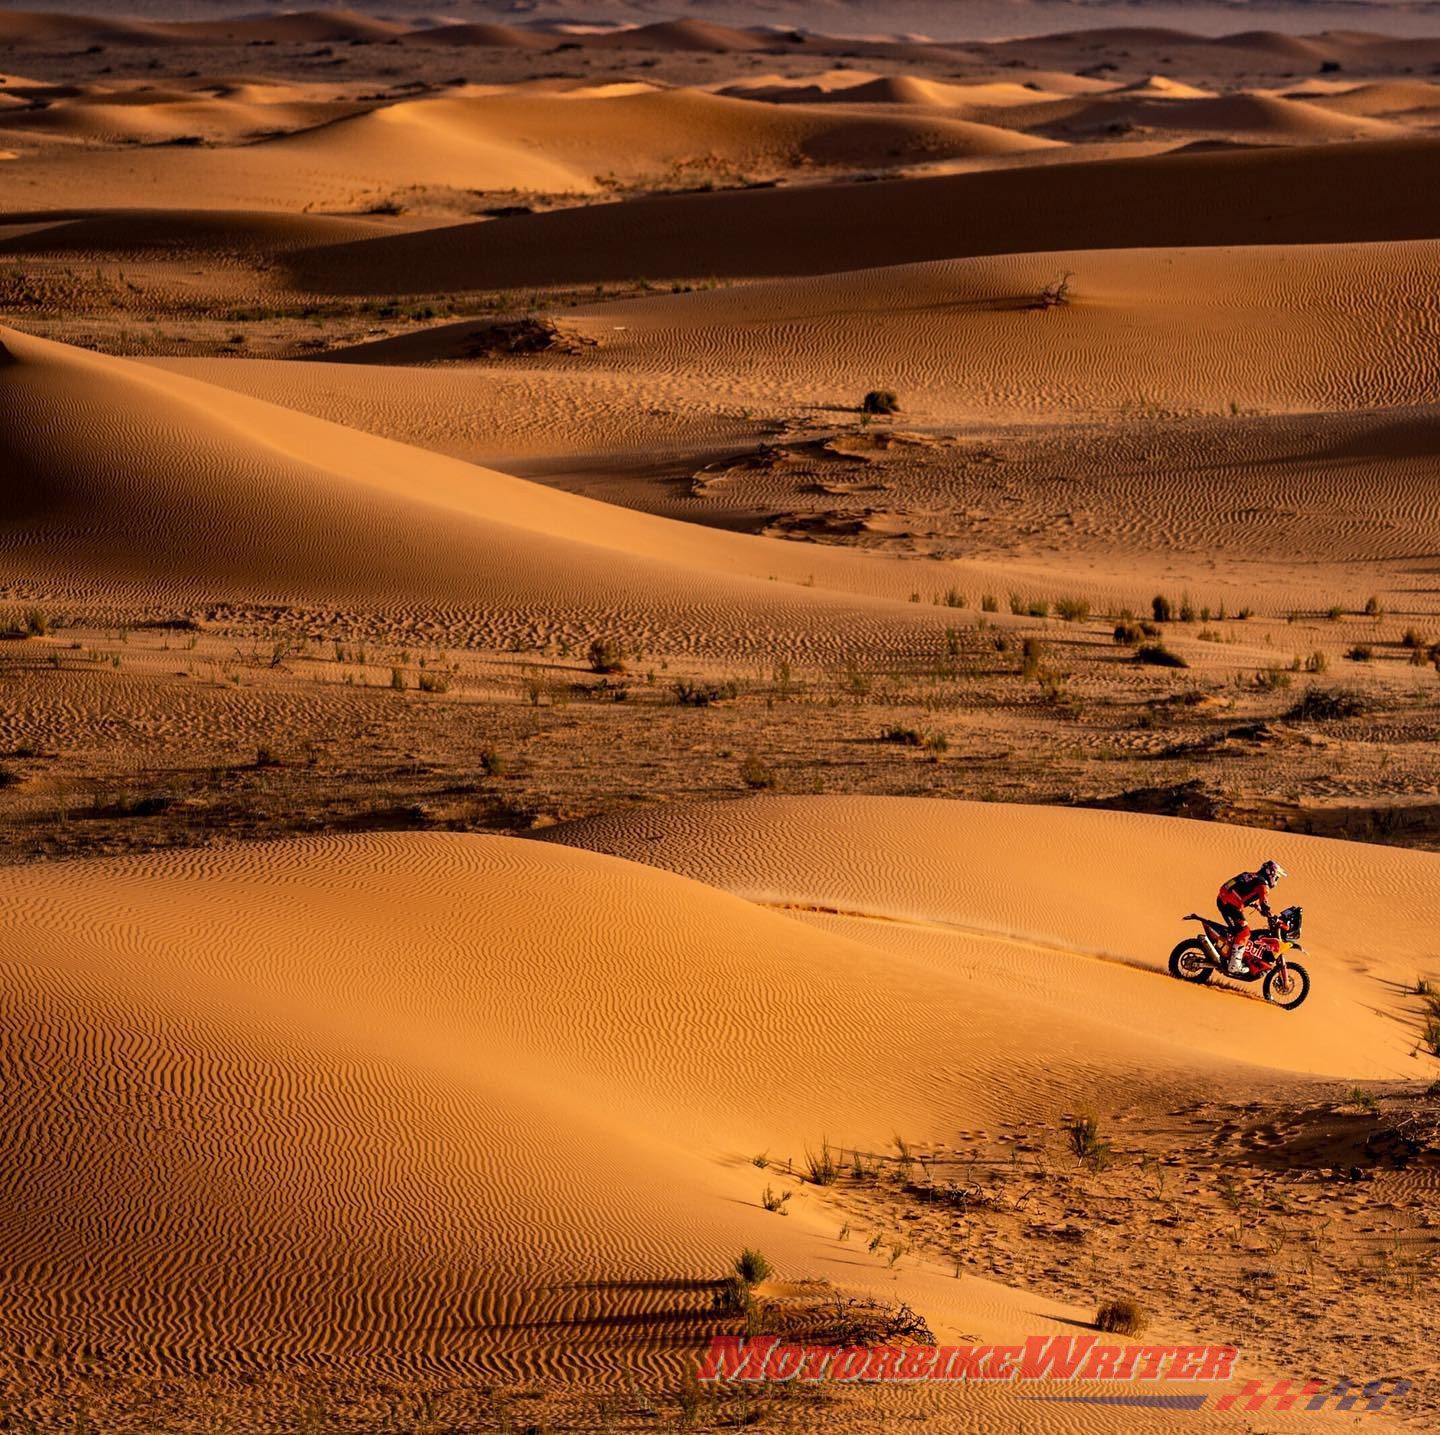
(26, 27)
(697, 36)
(19, 27)
(185, 234)
(1263, 196)
(480, 36)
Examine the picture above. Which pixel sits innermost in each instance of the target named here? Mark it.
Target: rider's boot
(1238, 966)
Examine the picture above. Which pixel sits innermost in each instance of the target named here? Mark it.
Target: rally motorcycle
(1267, 958)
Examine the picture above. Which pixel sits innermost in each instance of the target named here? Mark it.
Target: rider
(1247, 889)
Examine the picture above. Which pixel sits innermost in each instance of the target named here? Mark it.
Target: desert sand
(623, 641)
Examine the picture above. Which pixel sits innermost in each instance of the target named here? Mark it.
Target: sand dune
(389, 1102)
(303, 27)
(528, 142)
(485, 139)
(224, 114)
(1276, 197)
(1243, 116)
(1276, 326)
(682, 35)
(555, 1083)
(1034, 892)
(462, 35)
(222, 493)
(842, 87)
(1401, 99)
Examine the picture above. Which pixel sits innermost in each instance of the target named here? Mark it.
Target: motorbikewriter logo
(1040, 1359)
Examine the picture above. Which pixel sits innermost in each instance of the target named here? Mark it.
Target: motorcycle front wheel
(1190, 962)
(1287, 988)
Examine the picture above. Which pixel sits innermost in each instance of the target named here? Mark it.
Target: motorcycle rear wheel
(1289, 989)
(1190, 962)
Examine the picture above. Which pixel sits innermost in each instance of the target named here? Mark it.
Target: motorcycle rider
(1246, 889)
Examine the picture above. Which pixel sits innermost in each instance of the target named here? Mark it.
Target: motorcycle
(1267, 960)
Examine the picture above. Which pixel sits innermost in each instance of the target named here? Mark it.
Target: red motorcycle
(1266, 959)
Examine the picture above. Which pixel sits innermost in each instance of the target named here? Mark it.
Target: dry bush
(880, 401)
(1157, 655)
(1325, 705)
(606, 656)
(1121, 1316)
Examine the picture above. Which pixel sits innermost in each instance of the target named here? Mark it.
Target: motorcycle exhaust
(1209, 947)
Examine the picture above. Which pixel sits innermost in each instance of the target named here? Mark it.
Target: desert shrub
(755, 775)
(37, 622)
(732, 1296)
(989, 603)
(1128, 633)
(1413, 639)
(397, 679)
(606, 656)
(433, 682)
(492, 763)
(1073, 610)
(1032, 658)
(774, 1200)
(1271, 680)
(1017, 605)
(9, 777)
(752, 1267)
(1187, 609)
(936, 743)
(1317, 662)
(1086, 1141)
(822, 1167)
(1335, 613)
(1373, 607)
(1326, 704)
(701, 695)
(1161, 608)
(1157, 655)
(857, 1320)
(1430, 1035)
(880, 401)
(905, 736)
(1121, 1316)
(1360, 653)
(1056, 294)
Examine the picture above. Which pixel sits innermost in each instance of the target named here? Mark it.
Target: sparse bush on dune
(1271, 680)
(1073, 610)
(1086, 1142)
(1326, 704)
(1056, 294)
(701, 695)
(1160, 606)
(752, 1267)
(606, 656)
(880, 401)
(1360, 653)
(1157, 655)
(1128, 634)
(822, 1168)
(774, 1200)
(1121, 1316)
(434, 682)
(755, 775)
